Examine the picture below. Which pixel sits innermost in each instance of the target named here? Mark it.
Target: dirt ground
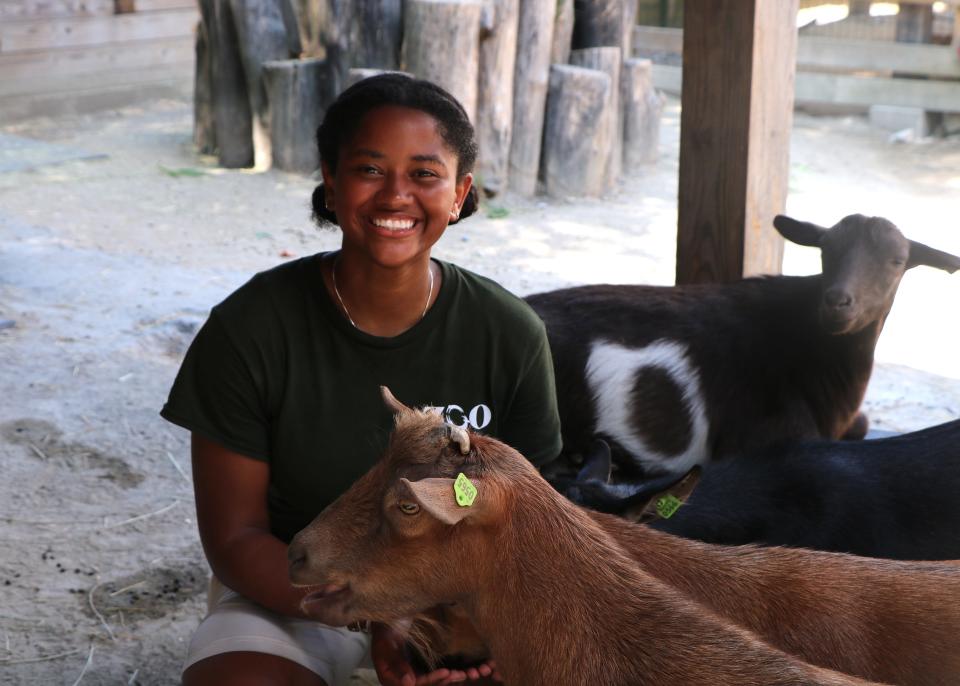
(108, 266)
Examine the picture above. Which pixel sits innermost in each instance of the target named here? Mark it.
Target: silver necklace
(333, 276)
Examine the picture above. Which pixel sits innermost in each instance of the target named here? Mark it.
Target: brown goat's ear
(436, 497)
(801, 233)
(391, 402)
(931, 257)
(664, 504)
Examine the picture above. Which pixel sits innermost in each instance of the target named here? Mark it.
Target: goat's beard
(431, 636)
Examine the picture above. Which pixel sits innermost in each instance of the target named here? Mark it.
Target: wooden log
(914, 23)
(641, 106)
(232, 116)
(291, 25)
(310, 20)
(736, 114)
(204, 130)
(494, 123)
(361, 33)
(562, 33)
(531, 78)
(354, 75)
(442, 44)
(576, 100)
(300, 91)
(610, 134)
(600, 23)
(262, 35)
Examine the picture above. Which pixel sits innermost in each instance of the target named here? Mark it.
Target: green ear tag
(466, 492)
(668, 505)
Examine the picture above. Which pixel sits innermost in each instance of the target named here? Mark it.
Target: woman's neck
(381, 301)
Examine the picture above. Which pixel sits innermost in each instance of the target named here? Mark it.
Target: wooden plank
(936, 96)
(739, 58)
(163, 5)
(36, 34)
(63, 84)
(26, 66)
(48, 9)
(832, 53)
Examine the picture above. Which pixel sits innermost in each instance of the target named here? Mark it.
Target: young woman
(280, 388)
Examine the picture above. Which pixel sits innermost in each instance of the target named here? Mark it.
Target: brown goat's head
(864, 259)
(388, 547)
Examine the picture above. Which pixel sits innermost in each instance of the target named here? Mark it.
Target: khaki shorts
(234, 623)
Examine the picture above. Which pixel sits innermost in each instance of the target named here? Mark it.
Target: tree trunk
(562, 33)
(231, 105)
(610, 130)
(442, 44)
(530, 82)
(299, 93)
(578, 98)
(204, 132)
(642, 107)
(360, 33)
(498, 56)
(262, 37)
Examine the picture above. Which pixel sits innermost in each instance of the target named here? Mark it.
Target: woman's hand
(394, 669)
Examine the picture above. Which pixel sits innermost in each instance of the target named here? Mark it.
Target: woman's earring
(328, 204)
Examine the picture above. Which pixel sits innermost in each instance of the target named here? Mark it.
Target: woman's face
(395, 187)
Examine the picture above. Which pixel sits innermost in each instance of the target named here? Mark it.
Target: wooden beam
(739, 58)
(841, 89)
(48, 34)
(815, 52)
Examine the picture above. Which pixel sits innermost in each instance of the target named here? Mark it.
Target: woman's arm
(231, 496)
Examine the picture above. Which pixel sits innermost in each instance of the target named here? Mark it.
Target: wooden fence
(843, 72)
(60, 55)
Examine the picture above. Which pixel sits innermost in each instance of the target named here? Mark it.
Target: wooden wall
(75, 55)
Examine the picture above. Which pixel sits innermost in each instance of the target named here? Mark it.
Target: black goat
(676, 376)
(889, 497)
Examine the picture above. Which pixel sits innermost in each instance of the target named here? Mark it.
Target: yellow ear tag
(668, 505)
(465, 491)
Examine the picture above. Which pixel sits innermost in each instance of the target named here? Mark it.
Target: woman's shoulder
(478, 291)
(271, 290)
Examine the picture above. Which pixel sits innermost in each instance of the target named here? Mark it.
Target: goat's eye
(898, 262)
(409, 508)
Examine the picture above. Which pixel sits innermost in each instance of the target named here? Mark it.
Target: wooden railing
(844, 71)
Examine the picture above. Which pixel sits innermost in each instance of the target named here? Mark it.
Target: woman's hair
(345, 115)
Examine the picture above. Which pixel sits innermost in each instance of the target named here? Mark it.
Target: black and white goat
(676, 376)
(889, 497)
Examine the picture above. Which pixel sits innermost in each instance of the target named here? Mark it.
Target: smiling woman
(280, 388)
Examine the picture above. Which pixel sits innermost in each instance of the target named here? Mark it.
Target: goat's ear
(437, 498)
(801, 233)
(597, 464)
(664, 504)
(391, 402)
(931, 257)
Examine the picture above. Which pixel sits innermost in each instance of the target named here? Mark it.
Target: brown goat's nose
(837, 298)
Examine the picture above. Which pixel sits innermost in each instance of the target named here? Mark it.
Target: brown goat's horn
(461, 438)
(391, 402)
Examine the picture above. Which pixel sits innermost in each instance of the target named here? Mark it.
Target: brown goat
(556, 599)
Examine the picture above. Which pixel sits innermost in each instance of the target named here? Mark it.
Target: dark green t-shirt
(278, 374)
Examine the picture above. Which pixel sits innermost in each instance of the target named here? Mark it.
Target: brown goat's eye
(408, 508)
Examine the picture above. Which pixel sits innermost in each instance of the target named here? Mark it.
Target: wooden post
(739, 60)
(601, 23)
(562, 33)
(577, 99)
(360, 33)
(299, 92)
(204, 131)
(532, 74)
(641, 106)
(498, 58)
(356, 74)
(231, 105)
(610, 130)
(914, 22)
(262, 36)
(442, 44)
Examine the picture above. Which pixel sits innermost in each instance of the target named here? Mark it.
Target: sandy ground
(108, 266)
